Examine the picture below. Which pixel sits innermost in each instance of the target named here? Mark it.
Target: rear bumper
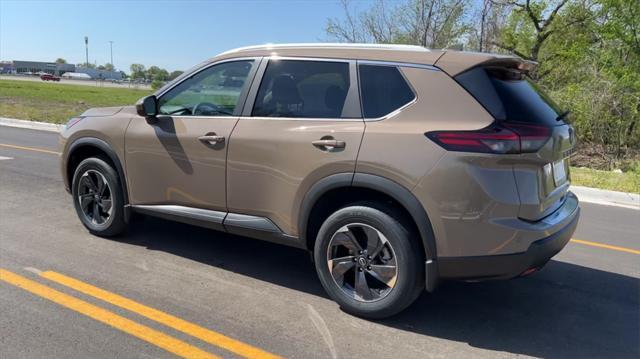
(510, 265)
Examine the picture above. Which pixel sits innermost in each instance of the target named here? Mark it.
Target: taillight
(532, 137)
(501, 139)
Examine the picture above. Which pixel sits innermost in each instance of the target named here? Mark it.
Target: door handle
(329, 144)
(211, 139)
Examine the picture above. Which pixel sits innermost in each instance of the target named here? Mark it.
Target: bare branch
(511, 49)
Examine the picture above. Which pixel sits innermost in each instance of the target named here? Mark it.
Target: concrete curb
(585, 194)
(33, 125)
(608, 198)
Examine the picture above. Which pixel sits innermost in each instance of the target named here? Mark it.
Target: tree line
(588, 53)
(139, 72)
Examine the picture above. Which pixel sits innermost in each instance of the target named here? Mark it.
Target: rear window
(510, 99)
(383, 90)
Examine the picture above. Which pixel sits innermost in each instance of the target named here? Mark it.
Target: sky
(174, 35)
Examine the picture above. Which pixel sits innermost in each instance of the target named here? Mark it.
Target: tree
(157, 74)
(156, 84)
(137, 71)
(589, 62)
(531, 25)
(109, 67)
(174, 74)
(60, 60)
(429, 23)
(490, 19)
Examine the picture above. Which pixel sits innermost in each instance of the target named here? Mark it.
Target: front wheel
(367, 262)
(98, 198)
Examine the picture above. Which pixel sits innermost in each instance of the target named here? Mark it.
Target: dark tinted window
(311, 89)
(510, 97)
(383, 90)
(211, 92)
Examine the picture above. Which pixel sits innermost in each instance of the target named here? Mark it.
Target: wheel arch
(375, 184)
(86, 147)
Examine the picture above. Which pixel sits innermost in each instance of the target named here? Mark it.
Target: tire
(110, 219)
(383, 298)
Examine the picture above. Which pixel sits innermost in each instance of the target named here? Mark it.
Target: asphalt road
(584, 303)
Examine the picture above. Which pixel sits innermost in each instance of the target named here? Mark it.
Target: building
(99, 74)
(21, 67)
(6, 67)
(53, 68)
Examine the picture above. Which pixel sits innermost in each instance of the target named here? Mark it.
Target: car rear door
(181, 158)
(302, 122)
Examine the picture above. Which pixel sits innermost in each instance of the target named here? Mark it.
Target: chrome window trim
(305, 58)
(325, 119)
(352, 96)
(243, 93)
(398, 66)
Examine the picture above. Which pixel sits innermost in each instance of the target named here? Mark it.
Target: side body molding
(234, 223)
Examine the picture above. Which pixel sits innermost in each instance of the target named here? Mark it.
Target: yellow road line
(29, 149)
(140, 331)
(607, 246)
(169, 320)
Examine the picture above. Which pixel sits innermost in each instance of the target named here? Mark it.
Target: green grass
(56, 103)
(624, 182)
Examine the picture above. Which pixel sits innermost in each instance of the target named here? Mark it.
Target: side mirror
(148, 108)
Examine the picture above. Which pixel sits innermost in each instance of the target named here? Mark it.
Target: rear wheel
(368, 262)
(98, 198)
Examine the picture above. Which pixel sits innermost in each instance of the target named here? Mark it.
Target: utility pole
(86, 47)
(111, 48)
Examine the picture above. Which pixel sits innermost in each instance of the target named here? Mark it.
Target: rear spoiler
(456, 62)
(516, 63)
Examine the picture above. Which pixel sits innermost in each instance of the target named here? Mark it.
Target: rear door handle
(211, 139)
(329, 144)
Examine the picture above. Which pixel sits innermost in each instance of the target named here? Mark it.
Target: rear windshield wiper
(563, 115)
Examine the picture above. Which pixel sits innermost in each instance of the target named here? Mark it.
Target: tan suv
(395, 165)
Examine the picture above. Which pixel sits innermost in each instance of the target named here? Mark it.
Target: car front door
(180, 158)
(302, 122)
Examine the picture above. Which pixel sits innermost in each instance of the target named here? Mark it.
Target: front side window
(307, 89)
(383, 90)
(211, 92)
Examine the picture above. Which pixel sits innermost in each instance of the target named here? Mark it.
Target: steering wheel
(207, 108)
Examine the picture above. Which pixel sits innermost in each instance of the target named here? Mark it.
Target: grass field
(624, 182)
(56, 103)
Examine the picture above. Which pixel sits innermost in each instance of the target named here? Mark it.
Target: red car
(49, 77)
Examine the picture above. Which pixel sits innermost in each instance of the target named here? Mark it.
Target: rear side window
(510, 98)
(383, 90)
(307, 89)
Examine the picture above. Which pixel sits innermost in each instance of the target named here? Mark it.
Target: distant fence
(85, 82)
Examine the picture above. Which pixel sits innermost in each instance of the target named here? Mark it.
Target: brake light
(508, 138)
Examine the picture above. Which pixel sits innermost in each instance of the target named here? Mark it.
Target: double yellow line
(128, 326)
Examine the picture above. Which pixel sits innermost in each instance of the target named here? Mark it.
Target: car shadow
(565, 310)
